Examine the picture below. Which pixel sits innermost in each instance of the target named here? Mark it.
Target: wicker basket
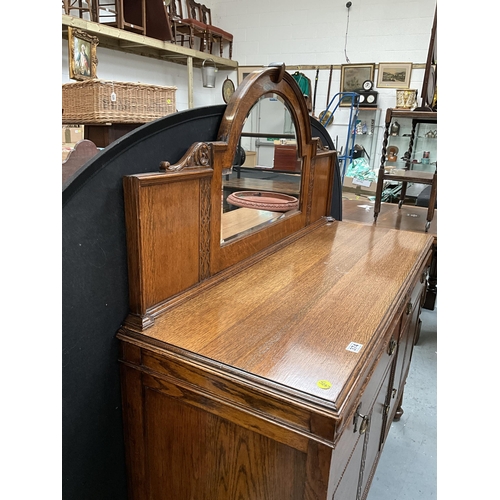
(92, 101)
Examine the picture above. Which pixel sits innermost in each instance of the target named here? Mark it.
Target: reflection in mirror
(263, 184)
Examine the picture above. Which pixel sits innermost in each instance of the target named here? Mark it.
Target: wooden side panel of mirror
(168, 227)
(321, 197)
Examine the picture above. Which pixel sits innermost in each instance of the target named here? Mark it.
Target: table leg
(402, 194)
(378, 193)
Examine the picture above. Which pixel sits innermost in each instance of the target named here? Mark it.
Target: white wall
(314, 33)
(296, 33)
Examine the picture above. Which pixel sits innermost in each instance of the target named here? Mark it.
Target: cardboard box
(359, 187)
(251, 159)
(72, 134)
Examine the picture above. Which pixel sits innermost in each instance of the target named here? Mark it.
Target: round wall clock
(227, 89)
(367, 85)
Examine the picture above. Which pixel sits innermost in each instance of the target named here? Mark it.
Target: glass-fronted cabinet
(408, 163)
(367, 133)
(410, 143)
(423, 152)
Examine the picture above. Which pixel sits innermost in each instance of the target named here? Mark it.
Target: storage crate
(91, 101)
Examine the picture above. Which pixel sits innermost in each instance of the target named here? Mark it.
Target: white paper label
(354, 347)
(361, 182)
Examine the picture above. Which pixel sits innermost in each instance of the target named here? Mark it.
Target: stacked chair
(160, 19)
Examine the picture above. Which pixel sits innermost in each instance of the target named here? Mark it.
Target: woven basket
(91, 102)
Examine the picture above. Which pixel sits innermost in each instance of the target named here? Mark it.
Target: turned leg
(380, 181)
(378, 193)
(402, 194)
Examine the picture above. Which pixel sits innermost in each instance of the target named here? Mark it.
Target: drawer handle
(392, 347)
(409, 307)
(364, 423)
(422, 278)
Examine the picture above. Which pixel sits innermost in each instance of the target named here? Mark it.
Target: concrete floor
(407, 469)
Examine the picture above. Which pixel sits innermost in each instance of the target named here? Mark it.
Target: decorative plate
(227, 89)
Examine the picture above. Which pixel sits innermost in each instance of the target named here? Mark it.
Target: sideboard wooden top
(289, 318)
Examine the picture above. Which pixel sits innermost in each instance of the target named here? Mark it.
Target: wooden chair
(129, 15)
(215, 34)
(158, 21)
(190, 27)
(77, 8)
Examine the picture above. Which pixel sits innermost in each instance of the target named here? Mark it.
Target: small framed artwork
(82, 54)
(394, 75)
(352, 77)
(244, 71)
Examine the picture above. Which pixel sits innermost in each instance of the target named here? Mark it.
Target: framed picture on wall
(352, 77)
(393, 75)
(82, 54)
(244, 71)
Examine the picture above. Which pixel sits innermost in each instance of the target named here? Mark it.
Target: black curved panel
(95, 294)
(95, 297)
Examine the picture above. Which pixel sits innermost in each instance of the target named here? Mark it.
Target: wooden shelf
(133, 43)
(428, 116)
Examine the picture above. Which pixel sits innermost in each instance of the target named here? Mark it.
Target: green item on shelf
(360, 169)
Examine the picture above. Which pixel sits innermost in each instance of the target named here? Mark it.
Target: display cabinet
(415, 153)
(405, 161)
(367, 131)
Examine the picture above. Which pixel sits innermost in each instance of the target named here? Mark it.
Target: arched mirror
(264, 183)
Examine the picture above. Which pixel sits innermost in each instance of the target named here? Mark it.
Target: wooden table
(406, 218)
(241, 219)
(405, 177)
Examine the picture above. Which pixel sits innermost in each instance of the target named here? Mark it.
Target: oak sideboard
(268, 363)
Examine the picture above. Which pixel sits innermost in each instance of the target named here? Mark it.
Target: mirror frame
(271, 80)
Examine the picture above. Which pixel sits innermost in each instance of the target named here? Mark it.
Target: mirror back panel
(181, 233)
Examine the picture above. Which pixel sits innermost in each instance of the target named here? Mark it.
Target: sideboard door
(347, 489)
(410, 324)
(373, 436)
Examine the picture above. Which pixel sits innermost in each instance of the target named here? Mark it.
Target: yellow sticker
(323, 384)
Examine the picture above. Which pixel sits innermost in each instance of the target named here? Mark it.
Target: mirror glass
(263, 184)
